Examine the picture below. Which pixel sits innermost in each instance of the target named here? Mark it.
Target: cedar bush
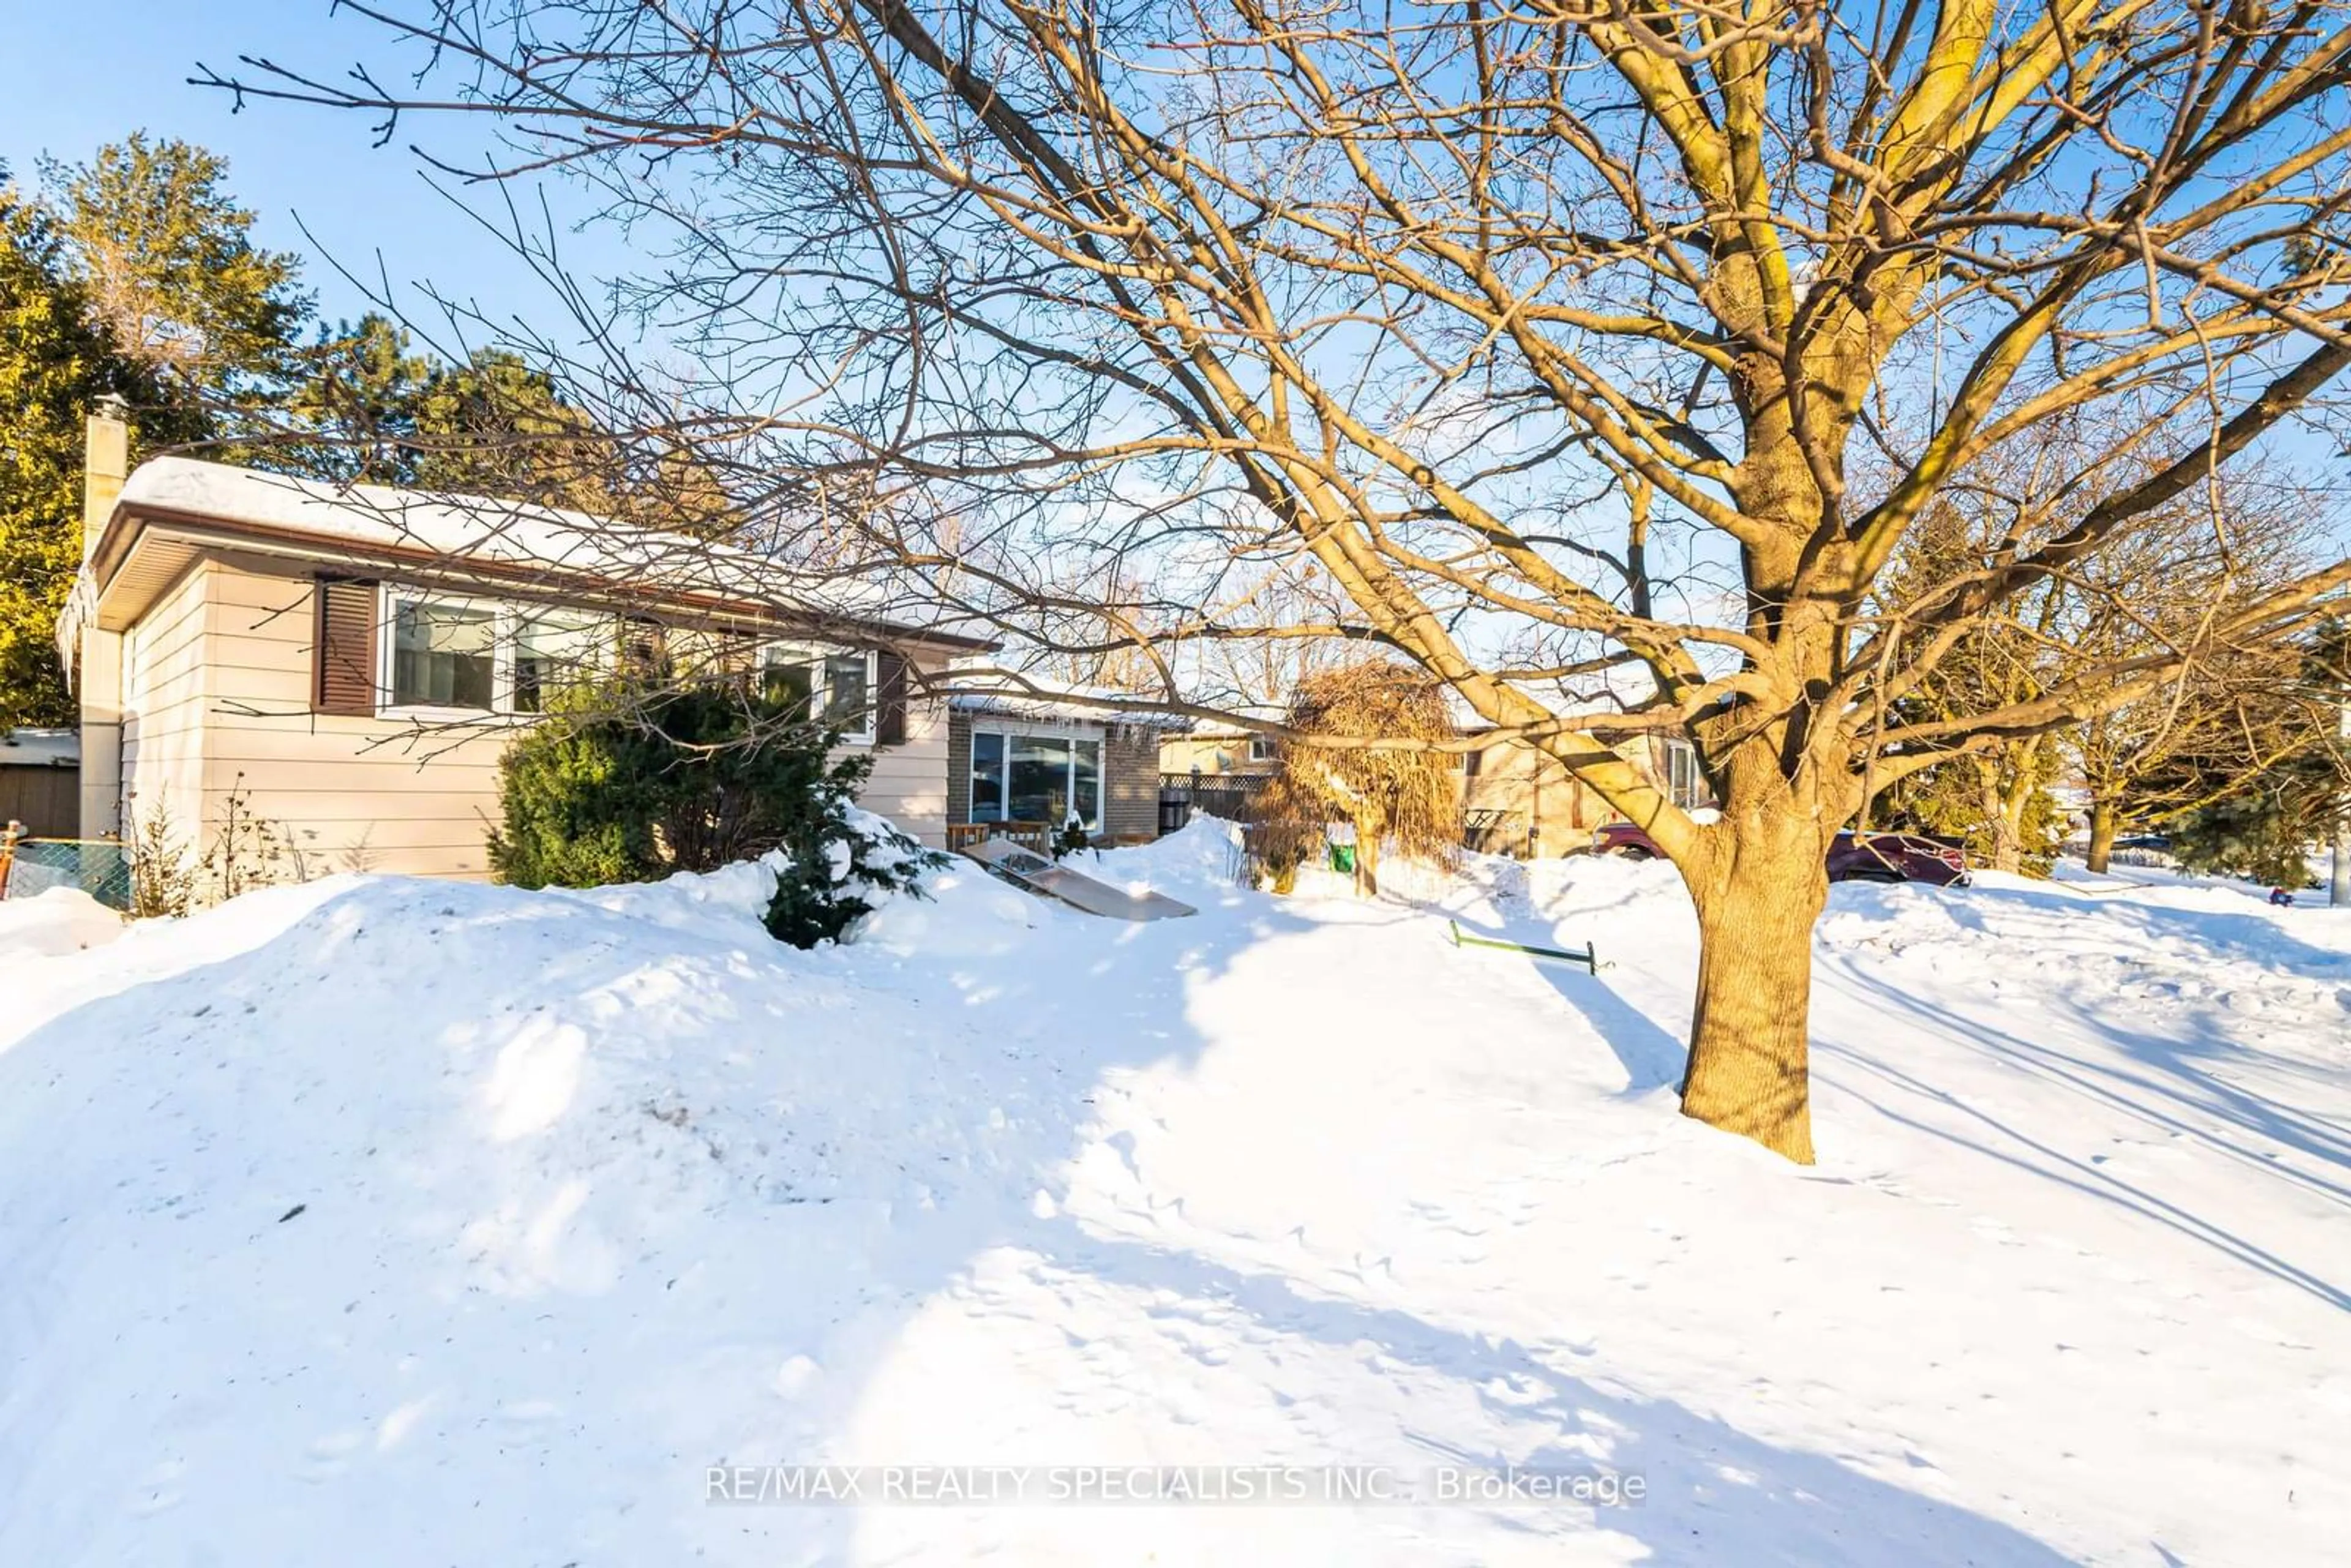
(630, 785)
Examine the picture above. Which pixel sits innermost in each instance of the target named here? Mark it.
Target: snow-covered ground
(390, 1222)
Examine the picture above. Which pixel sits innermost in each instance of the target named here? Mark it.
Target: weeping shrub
(627, 784)
(1406, 798)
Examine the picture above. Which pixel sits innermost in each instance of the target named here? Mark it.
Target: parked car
(1853, 857)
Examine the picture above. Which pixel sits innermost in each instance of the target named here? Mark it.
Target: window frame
(818, 655)
(507, 619)
(1688, 792)
(1073, 738)
(508, 653)
(1263, 748)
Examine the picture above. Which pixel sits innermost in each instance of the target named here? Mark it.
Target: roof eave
(132, 523)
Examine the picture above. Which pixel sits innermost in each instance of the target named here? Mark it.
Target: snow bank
(1203, 859)
(61, 920)
(456, 1223)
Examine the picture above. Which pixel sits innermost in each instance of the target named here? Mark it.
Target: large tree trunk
(2007, 847)
(2004, 813)
(1367, 858)
(2102, 834)
(1756, 907)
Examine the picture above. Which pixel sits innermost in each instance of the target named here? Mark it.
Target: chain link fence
(99, 867)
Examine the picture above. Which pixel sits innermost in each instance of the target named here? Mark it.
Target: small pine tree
(2261, 835)
(835, 863)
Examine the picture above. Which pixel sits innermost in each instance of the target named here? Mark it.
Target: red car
(1853, 857)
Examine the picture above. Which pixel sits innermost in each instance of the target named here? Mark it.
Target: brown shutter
(890, 700)
(343, 648)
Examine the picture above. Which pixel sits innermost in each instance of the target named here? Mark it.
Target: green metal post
(1589, 957)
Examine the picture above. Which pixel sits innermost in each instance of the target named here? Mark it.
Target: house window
(447, 654)
(833, 686)
(1020, 776)
(1262, 749)
(554, 651)
(444, 654)
(1683, 783)
(986, 778)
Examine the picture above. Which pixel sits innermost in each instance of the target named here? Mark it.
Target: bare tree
(1555, 338)
(2235, 709)
(2233, 706)
(1995, 798)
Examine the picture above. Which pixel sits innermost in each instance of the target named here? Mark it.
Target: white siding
(352, 794)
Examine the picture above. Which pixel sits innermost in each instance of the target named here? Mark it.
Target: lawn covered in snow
(382, 1221)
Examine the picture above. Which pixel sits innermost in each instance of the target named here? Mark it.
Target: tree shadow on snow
(1652, 1056)
(2161, 1106)
(1020, 1046)
(1714, 1494)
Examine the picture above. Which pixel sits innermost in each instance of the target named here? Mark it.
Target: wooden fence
(47, 800)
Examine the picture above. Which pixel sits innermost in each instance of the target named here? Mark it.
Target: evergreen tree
(135, 276)
(166, 263)
(55, 364)
(2263, 826)
(357, 404)
(636, 781)
(137, 273)
(372, 409)
(495, 425)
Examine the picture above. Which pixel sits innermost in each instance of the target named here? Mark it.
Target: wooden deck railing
(1036, 836)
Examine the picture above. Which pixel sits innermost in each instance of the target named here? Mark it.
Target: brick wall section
(958, 765)
(1131, 783)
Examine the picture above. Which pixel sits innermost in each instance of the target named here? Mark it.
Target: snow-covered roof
(40, 748)
(576, 545)
(1224, 729)
(1038, 697)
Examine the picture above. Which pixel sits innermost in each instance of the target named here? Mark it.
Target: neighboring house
(39, 783)
(1042, 756)
(1210, 747)
(349, 663)
(1514, 800)
(1517, 800)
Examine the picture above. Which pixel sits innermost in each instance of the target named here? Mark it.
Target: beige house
(1210, 749)
(1514, 800)
(347, 664)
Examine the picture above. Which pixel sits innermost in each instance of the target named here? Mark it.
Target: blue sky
(75, 74)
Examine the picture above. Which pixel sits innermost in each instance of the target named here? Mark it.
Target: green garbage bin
(1343, 859)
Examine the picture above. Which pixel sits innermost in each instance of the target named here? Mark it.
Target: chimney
(105, 463)
(95, 664)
